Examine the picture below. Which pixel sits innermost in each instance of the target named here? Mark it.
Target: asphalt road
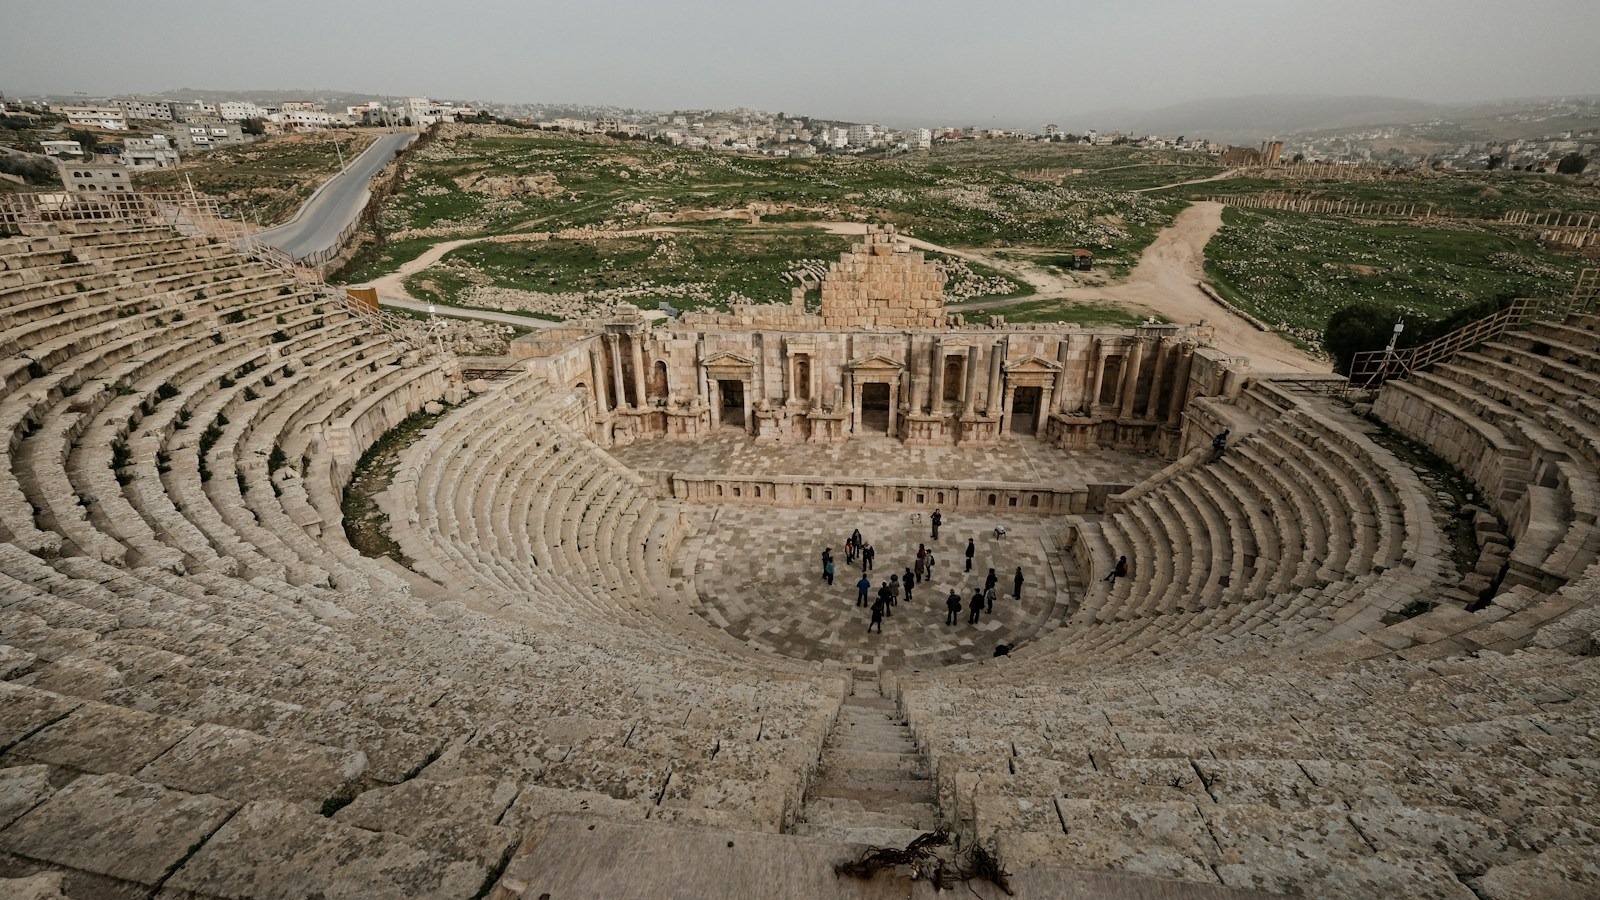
(318, 223)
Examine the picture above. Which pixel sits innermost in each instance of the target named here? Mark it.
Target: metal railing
(1372, 368)
(192, 215)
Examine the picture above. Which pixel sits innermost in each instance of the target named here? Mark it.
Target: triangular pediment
(727, 359)
(876, 361)
(1033, 364)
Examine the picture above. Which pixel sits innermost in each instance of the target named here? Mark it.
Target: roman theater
(1353, 654)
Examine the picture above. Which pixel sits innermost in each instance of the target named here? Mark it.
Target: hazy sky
(1009, 62)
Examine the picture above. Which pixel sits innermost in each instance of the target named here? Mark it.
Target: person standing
(1120, 570)
(827, 569)
(878, 610)
(937, 519)
(1016, 585)
(894, 590)
(988, 592)
(886, 598)
(975, 607)
(971, 549)
(908, 582)
(922, 562)
(862, 586)
(867, 555)
(952, 605)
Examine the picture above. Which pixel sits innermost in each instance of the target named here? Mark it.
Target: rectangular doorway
(1025, 403)
(875, 408)
(731, 390)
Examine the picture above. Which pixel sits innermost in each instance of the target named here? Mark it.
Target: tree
(1357, 328)
(1572, 164)
(32, 169)
(254, 126)
(85, 138)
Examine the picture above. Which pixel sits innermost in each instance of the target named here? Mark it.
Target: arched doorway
(658, 380)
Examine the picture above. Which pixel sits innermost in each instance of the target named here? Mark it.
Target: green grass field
(1089, 315)
(1295, 270)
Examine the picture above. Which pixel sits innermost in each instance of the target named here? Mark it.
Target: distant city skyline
(1011, 63)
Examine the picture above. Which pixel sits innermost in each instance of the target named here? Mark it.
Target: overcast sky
(1005, 62)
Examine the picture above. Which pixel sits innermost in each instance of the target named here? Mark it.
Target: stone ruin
(1312, 682)
(883, 283)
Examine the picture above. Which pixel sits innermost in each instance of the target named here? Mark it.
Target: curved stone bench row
(1426, 779)
(1305, 528)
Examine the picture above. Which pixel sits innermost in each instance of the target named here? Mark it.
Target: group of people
(890, 592)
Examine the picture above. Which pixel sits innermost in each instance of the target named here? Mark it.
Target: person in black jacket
(975, 608)
(952, 605)
(971, 549)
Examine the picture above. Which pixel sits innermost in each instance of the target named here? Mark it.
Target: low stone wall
(912, 496)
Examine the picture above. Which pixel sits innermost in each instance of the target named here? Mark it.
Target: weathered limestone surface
(116, 826)
(241, 765)
(273, 849)
(1307, 683)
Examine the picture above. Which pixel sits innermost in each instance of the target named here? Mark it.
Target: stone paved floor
(1021, 459)
(758, 572)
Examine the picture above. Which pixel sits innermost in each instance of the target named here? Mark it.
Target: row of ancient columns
(1170, 359)
(612, 348)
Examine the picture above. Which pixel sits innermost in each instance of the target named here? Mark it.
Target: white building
(841, 138)
(920, 139)
(300, 119)
(860, 135)
(148, 110)
(424, 112)
(154, 152)
(107, 117)
(61, 148)
(238, 111)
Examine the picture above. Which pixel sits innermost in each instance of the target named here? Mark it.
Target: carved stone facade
(1122, 389)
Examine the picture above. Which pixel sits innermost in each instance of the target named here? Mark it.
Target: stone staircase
(873, 785)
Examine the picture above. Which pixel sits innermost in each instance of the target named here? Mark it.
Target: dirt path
(1165, 282)
(1217, 177)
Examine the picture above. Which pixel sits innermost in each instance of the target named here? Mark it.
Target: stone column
(1098, 361)
(917, 392)
(614, 346)
(714, 400)
(997, 358)
(969, 397)
(1130, 381)
(1005, 408)
(855, 404)
(936, 402)
(637, 340)
(811, 376)
(1063, 353)
(1043, 416)
(598, 370)
(759, 373)
(1183, 359)
(894, 399)
(749, 409)
(1152, 410)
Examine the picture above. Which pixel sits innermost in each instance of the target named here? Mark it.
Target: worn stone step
(874, 760)
(873, 835)
(877, 795)
(840, 811)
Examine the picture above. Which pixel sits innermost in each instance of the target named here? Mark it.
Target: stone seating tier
(200, 673)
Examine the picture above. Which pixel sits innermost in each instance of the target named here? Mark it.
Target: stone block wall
(880, 284)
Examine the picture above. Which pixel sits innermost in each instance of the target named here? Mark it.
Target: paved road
(318, 223)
